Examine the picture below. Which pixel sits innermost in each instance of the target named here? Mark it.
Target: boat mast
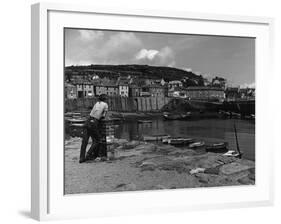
(237, 144)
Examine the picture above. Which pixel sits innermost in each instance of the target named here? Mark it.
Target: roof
(175, 81)
(82, 83)
(204, 88)
(153, 86)
(107, 85)
(229, 89)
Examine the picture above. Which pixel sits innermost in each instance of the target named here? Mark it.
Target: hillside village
(148, 81)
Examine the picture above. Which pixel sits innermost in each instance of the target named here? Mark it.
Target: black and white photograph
(157, 111)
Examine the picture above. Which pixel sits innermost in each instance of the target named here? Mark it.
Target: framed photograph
(148, 111)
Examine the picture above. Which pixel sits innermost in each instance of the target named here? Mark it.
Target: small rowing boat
(79, 125)
(168, 116)
(217, 147)
(232, 153)
(155, 137)
(196, 144)
(178, 141)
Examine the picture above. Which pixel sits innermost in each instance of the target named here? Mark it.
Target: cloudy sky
(229, 57)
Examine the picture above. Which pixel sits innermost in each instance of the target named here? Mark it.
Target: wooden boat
(144, 121)
(233, 153)
(225, 113)
(177, 140)
(76, 120)
(168, 116)
(115, 119)
(217, 147)
(235, 115)
(79, 125)
(250, 117)
(155, 137)
(196, 144)
(180, 141)
(70, 114)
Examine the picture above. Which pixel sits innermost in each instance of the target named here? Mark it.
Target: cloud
(165, 56)
(120, 46)
(89, 35)
(146, 54)
(98, 47)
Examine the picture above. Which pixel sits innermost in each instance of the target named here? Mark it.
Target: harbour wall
(120, 104)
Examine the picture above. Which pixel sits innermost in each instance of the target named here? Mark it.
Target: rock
(147, 166)
(159, 187)
(145, 147)
(245, 180)
(147, 163)
(225, 160)
(119, 142)
(235, 170)
(126, 187)
(232, 168)
(131, 145)
(252, 176)
(197, 170)
(246, 162)
(203, 178)
(213, 170)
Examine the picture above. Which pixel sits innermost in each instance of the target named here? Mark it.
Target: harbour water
(208, 130)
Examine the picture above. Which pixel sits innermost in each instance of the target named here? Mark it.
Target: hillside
(141, 71)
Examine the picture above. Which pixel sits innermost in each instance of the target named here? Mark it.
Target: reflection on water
(209, 130)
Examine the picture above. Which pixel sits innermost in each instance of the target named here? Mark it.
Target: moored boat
(177, 116)
(144, 121)
(76, 121)
(235, 115)
(225, 113)
(78, 125)
(178, 141)
(233, 153)
(155, 137)
(217, 147)
(181, 141)
(196, 144)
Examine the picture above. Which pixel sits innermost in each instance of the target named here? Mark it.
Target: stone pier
(108, 132)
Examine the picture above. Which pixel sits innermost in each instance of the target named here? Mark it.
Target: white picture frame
(48, 201)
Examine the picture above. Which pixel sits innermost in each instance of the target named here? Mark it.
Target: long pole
(237, 144)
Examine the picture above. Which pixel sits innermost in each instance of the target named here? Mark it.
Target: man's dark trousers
(92, 130)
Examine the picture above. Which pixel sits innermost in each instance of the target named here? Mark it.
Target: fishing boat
(71, 114)
(177, 116)
(225, 113)
(250, 117)
(217, 147)
(144, 121)
(235, 115)
(115, 119)
(233, 153)
(196, 144)
(78, 125)
(179, 141)
(76, 120)
(156, 137)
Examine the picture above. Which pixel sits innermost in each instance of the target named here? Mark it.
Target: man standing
(93, 130)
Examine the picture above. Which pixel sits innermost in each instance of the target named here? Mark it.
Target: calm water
(208, 130)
